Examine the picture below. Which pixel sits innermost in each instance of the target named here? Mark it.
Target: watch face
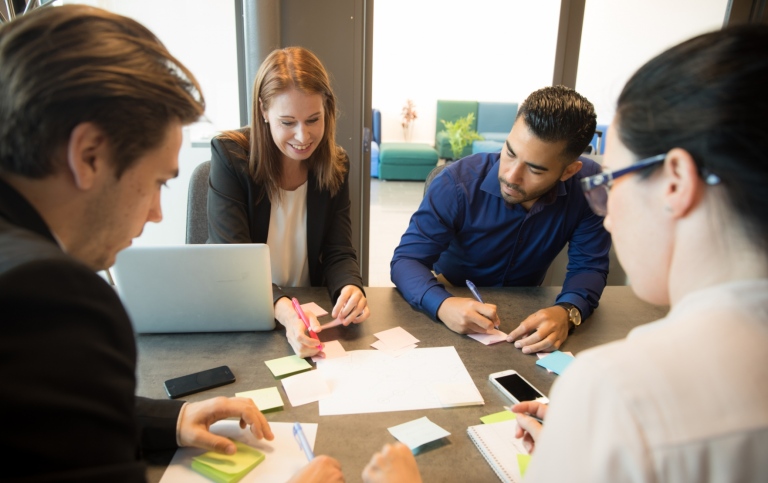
(574, 315)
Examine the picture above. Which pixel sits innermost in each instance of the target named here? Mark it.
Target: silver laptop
(196, 288)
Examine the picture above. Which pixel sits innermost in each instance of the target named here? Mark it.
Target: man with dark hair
(91, 113)
(500, 219)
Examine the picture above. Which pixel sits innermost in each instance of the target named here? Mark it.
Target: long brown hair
(291, 67)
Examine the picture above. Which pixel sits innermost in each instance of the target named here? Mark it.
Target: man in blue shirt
(500, 219)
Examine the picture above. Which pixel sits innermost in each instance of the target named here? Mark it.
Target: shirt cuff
(579, 302)
(433, 299)
(178, 425)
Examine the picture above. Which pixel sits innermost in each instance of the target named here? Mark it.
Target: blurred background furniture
(493, 121)
(406, 161)
(197, 205)
(375, 142)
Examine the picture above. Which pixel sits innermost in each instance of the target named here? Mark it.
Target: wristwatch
(574, 314)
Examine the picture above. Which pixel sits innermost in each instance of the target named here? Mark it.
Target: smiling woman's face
(297, 123)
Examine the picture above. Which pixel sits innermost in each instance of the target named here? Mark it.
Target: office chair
(197, 205)
(435, 171)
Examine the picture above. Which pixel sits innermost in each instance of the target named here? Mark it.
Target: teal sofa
(493, 121)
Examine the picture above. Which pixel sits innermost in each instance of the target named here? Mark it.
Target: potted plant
(460, 133)
(409, 115)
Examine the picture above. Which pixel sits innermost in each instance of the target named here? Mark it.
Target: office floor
(392, 204)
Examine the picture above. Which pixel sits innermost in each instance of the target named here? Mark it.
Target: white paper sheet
(283, 458)
(458, 394)
(374, 382)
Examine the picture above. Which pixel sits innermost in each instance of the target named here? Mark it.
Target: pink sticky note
(332, 350)
(314, 308)
(492, 338)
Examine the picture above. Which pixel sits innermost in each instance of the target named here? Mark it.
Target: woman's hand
(303, 345)
(351, 306)
(528, 428)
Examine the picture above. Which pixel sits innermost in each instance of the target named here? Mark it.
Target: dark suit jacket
(67, 365)
(234, 216)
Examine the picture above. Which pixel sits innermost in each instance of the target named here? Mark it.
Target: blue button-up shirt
(465, 230)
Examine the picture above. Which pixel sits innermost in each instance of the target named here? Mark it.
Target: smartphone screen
(199, 381)
(518, 387)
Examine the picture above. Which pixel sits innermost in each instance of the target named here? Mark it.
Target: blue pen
(298, 433)
(474, 291)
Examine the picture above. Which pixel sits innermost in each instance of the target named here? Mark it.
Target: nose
(514, 174)
(155, 214)
(301, 133)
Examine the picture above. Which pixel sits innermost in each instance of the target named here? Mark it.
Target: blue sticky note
(555, 362)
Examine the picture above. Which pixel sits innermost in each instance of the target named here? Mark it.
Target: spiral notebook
(498, 445)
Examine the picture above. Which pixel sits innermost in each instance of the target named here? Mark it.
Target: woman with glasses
(685, 198)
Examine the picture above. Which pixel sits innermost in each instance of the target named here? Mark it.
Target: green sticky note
(286, 366)
(224, 468)
(266, 399)
(522, 462)
(498, 417)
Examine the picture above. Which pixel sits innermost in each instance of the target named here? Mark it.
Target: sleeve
(340, 264)
(429, 233)
(588, 262)
(158, 420)
(227, 199)
(68, 353)
(590, 432)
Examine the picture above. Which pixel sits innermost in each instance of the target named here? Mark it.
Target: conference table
(352, 439)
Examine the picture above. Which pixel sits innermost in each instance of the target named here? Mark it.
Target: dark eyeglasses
(596, 187)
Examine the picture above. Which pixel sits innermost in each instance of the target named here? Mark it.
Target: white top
(287, 239)
(681, 399)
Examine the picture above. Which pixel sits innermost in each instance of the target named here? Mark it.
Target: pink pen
(303, 317)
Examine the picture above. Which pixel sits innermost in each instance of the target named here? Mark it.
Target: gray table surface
(352, 439)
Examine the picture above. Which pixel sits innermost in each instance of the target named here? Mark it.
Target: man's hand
(196, 419)
(303, 345)
(394, 463)
(468, 316)
(528, 428)
(551, 330)
(351, 306)
(322, 469)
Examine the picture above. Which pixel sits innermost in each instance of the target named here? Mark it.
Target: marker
(474, 291)
(303, 317)
(298, 434)
(536, 418)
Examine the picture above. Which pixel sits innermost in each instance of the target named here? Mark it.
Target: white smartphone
(516, 388)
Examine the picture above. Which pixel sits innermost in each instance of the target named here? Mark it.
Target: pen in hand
(535, 418)
(474, 291)
(298, 433)
(303, 317)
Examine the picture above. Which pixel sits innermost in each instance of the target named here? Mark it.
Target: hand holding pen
(303, 317)
(473, 289)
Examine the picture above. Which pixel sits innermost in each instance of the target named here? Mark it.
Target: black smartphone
(199, 381)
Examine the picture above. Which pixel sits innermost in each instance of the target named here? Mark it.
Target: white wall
(620, 36)
(486, 50)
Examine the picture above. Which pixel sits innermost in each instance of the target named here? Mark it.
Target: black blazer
(235, 216)
(67, 364)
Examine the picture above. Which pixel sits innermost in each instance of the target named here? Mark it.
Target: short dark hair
(559, 113)
(708, 96)
(62, 66)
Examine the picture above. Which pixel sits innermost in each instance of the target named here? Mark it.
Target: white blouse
(681, 399)
(287, 239)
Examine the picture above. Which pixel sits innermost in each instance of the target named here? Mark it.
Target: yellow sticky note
(224, 468)
(498, 417)
(285, 366)
(522, 462)
(265, 399)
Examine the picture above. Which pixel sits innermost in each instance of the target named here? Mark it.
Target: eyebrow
(532, 165)
(286, 116)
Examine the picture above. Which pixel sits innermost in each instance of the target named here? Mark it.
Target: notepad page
(498, 445)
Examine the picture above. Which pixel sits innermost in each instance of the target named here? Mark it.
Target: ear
(87, 155)
(683, 187)
(571, 169)
(262, 112)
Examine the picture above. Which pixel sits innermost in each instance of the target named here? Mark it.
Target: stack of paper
(395, 341)
(418, 432)
(285, 366)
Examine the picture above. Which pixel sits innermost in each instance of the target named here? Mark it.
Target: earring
(266, 121)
